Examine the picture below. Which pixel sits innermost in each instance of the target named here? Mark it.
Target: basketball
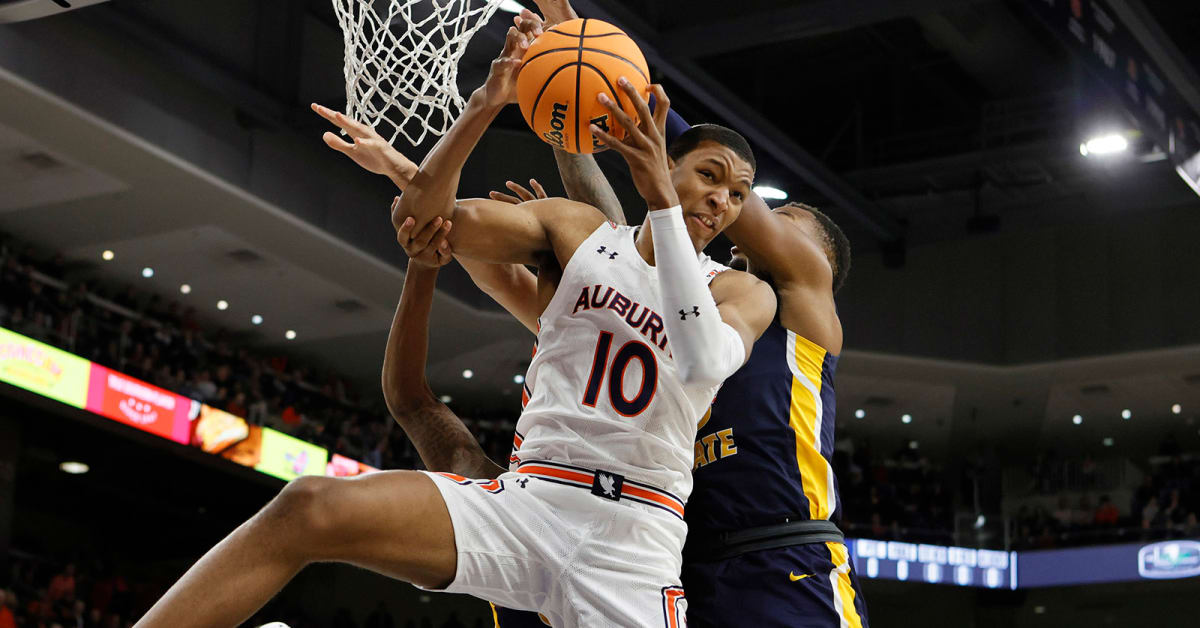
(564, 70)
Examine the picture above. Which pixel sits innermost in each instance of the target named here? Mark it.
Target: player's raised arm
(489, 230)
(441, 438)
(783, 251)
(709, 340)
(432, 190)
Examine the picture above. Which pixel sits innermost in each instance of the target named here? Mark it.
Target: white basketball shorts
(548, 543)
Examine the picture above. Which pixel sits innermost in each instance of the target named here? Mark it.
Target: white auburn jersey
(602, 391)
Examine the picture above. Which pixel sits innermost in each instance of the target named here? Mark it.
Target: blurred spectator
(380, 618)
(62, 585)
(1107, 513)
(8, 601)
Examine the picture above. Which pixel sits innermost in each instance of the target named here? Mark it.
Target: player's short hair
(836, 244)
(700, 133)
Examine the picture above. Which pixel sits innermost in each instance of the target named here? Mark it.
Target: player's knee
(306, 506)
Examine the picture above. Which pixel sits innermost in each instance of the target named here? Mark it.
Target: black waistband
(702, 547)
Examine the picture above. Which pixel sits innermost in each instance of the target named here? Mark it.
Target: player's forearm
(432, 190)
(401, 171)
(510, 285)
(441, 439)
(586, 183)
(706, 350)
(404, 357)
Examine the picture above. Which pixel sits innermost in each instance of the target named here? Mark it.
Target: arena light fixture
(222, 305)
(1077, 419)
(912, 444)
(290, 334)
(980, 521)
(468, 373)
(1176, 409)
(446, 398)
(1104, 145)
(511, 6)
(518, 379)
(147, 272)
(73, 467)
(907, 418)
(185, 288)
(1108, 441)
(256, 319)
(1126, 414)
(770, 193)
(107, 255)
(860, 413)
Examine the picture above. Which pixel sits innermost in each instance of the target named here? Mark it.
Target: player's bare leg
(394, 523)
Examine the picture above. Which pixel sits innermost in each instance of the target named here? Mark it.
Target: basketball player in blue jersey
(770, 556)
(587, 525)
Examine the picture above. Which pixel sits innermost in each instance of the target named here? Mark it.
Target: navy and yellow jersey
(763, 452)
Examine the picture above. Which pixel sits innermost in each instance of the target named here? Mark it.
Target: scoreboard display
(966, 567)
(934, 564)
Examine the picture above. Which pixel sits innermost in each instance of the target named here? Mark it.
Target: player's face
(712, 182)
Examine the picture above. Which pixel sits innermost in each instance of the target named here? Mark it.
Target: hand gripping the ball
(644, 146)
(500, 88)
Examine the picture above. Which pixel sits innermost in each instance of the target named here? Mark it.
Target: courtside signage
(70, 379)
(1169, 559)
(134, 402)
(288, 458)
(45, 370)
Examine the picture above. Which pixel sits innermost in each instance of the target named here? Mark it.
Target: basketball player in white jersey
(636, 336)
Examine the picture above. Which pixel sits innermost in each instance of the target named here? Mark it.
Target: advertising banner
(134, 402)
(343, 467)
(217, 430)
(1110, 563)
(287, 458)
(40, 368)
(247, 452)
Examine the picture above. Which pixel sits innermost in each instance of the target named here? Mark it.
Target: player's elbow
(405, 400)
(701, 373)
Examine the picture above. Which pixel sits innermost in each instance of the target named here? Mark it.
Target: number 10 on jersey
(615, 373)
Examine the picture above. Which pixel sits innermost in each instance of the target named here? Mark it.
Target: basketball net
(402, 61)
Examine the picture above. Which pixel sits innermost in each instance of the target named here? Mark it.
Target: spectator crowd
(1166, 504)
(898, 495)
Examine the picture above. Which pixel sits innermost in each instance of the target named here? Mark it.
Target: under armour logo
(522, 482)
(607, 485)
(604, 251)
(683, 314)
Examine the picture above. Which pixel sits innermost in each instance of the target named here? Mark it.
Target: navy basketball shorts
(810, 586)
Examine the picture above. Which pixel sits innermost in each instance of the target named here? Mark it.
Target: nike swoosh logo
(793, 577)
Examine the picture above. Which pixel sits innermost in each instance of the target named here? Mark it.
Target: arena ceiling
(912, 122)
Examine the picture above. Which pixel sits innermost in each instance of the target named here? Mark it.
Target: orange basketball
(564, 70)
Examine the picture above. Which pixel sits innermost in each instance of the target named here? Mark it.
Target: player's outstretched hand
(500, 88)
(556, 11)
(645, 146)
(522, 194)
(368, 149)
(429, 247)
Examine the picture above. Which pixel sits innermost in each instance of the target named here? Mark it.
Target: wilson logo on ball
(565, 69)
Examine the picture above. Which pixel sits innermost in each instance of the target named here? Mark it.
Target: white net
(402, 61)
